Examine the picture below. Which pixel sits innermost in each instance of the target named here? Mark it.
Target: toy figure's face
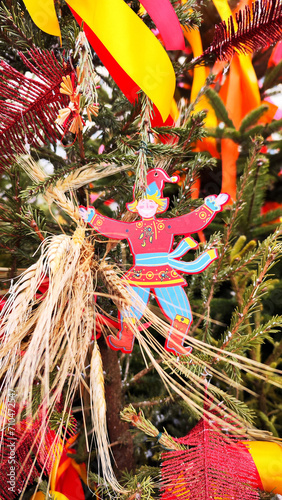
(147, 208)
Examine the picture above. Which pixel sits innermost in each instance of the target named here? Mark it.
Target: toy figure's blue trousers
(174, 303)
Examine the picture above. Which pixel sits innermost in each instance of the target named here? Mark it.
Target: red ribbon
(129, 88)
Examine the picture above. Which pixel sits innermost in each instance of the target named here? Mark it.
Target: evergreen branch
(187, 14)
(153, 402)
(255, 337)
(270, 216)
(270, 128)
(140, 486)
(253, 117)
(56, 183)
(224, 133)
(130, 415)
(271, 76)
(254, 29)
(275, 355)
(264, 418)
(142, 373)
(239, 407)
(251, 300)
(32, 218)
(244, 187)
(42, 186)
(15, 31)
(232, 223)
(218, 106)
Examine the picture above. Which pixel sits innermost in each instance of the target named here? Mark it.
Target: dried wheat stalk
(81, 177)
(98, 411)
(59, 329)
(116, 288)
(57, 251)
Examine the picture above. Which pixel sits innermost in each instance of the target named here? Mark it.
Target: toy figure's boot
(174, 342)
(125, 340)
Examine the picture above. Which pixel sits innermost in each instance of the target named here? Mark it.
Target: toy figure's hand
(86, 214)
(215, 203)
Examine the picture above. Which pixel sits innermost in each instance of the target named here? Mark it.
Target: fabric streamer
(44, 16)
(165, 18)
(240, 94)
(126, 46)
(267, 457)
(66, 474)
(200, 75)
(199, 80)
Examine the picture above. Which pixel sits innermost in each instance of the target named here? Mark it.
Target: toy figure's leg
(125, 340)
(175, 304)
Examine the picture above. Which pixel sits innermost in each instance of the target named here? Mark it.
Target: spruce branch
(130, 415)
(251, 301)
(15, 30)
(76, 179)
(252, 117)
(138, 376)
(230, 229)
(219, 107)
(142, 160)
(271, 77)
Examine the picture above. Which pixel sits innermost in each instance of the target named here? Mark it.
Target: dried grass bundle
(188, 378)
(46, 340)
(56, 329)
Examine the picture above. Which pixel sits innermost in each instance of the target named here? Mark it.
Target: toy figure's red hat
(156, 179)
(159, 176)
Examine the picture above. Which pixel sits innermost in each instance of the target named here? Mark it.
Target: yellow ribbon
(268, 460)
(44, 16)
(126, 37)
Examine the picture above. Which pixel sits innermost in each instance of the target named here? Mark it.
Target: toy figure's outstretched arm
(104, 225)
(199, 218)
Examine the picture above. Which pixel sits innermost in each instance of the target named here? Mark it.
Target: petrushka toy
(157, 267)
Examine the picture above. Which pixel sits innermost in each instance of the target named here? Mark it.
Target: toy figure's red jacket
(151, 242)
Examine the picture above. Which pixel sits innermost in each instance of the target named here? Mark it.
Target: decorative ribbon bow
(126, 46)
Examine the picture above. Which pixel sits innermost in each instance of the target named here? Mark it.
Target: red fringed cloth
(214, 467)
(26, 450)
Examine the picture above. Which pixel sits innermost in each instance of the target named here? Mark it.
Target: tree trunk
(118, 430)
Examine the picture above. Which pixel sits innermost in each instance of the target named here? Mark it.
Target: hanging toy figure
(155, 265)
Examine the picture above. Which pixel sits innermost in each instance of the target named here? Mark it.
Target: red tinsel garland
(29, 107)
(214, 467)
(26, 451)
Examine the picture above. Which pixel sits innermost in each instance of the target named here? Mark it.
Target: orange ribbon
(240, 94)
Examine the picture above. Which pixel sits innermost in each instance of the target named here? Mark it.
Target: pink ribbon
(166, 20)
